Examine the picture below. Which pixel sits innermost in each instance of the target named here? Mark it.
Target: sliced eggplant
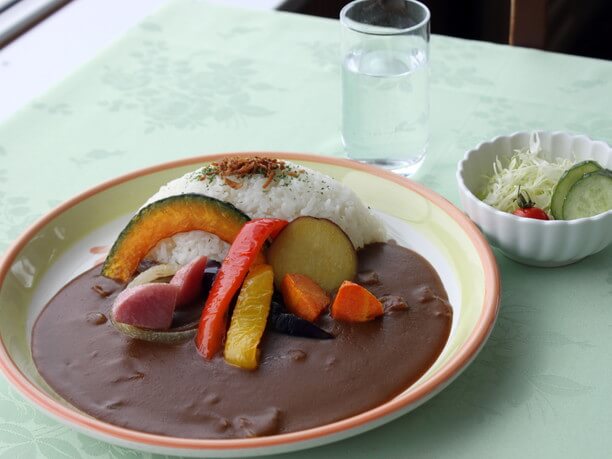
(284, 322)
(210, 273)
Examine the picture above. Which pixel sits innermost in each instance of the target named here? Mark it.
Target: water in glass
(386, 107)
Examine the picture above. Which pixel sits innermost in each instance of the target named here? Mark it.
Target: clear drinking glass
(385, 83)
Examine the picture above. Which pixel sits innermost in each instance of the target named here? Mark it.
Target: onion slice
(154, 273)
(172, 336)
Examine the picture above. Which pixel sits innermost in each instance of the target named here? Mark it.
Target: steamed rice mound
(306, 193)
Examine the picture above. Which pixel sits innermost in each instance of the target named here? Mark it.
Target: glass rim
(344, 20)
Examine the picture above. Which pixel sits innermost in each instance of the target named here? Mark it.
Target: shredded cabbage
(526, 169)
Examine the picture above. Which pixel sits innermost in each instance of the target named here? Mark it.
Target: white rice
(310, 193)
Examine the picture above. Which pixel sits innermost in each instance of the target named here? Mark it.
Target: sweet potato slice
(353, 303)
(316, 247)
(303, 296)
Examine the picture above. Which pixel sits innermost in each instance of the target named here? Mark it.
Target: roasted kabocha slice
(249, 318)
(165, 218)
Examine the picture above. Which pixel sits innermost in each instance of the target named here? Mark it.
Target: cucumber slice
(591, 195)
(567, 180)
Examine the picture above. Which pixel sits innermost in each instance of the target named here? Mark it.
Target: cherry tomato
(526, 207)
(531, 212)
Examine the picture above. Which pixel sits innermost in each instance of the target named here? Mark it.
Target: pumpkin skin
(165, 218)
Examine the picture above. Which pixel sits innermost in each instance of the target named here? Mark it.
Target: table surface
(51, 44)
(197, 78)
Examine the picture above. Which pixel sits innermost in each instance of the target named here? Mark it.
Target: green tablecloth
(197, 79)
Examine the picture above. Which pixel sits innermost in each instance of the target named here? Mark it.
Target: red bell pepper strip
(243, 251)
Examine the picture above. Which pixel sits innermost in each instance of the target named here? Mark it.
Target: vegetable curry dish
(210, 318)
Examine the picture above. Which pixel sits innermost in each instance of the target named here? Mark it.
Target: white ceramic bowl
(529, 241)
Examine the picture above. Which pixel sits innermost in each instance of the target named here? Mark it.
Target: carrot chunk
(353, 303)
(303, 296)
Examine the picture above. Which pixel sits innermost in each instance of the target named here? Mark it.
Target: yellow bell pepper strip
(241, 255)
(249, 318)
